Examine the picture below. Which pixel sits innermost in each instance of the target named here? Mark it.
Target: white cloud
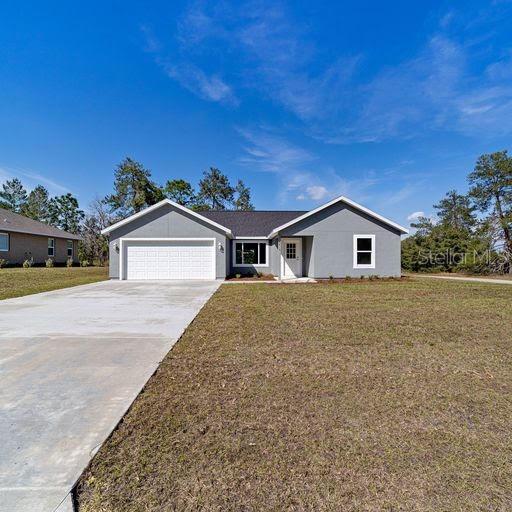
(211, 88)
(265, 151)
(31, 179)
(268, 152)
(442, 87)
(314, 192)
(415, 216)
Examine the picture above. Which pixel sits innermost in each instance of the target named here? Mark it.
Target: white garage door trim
(124, 241)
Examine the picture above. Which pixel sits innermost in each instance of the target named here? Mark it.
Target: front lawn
(390, 395)
(15, 282)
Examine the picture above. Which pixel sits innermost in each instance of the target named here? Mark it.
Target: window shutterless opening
(251, 253)
(51, 246)
(4, 242)
(70, 248)
(364, 251)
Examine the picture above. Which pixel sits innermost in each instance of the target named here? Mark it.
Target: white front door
(291, 254)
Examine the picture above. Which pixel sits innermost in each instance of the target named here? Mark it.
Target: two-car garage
(154, 259)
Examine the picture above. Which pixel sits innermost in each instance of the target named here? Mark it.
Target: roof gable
(159, 205)
(347, 201)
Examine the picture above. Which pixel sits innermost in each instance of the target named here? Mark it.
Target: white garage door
(170, 260)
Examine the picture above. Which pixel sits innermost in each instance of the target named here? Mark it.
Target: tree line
(471, 232)
(134, 190)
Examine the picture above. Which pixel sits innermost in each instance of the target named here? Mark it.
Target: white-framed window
(70, 248)
(250, 253)
(364, 251)
(291, 250)
(51, 246)
(4, 242)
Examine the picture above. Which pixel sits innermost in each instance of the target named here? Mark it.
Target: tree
(215, 191)
(243, 197)
(94, 245)
(37, 204)
(180, 191)
(456, 211)
(133, 189)
(64, 213)
(491, 191)
(13, 195)
(423, 226)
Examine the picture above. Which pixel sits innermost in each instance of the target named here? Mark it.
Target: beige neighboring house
(22, 238)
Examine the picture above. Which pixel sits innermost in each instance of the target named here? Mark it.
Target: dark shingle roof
(10, 221)
(256, 223)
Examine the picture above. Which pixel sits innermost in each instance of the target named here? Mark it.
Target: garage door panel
(170, 260)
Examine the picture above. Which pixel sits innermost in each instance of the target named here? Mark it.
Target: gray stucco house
(169, 241)
(23, 239)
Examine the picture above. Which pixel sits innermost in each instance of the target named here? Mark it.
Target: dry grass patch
(16, 282)
(374, 396)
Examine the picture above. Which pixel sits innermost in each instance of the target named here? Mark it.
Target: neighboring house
(168, 241)
(22, 238)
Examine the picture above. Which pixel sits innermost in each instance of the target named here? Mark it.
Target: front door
(291, 251)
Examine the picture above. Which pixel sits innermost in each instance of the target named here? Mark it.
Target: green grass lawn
(15, 282)
(383, 395)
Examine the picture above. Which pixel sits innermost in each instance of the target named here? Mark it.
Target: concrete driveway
(71, 363)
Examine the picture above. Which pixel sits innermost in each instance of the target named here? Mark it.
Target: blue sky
(389, 103)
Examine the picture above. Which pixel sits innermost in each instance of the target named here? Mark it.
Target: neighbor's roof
(251, 223)
(10, 221)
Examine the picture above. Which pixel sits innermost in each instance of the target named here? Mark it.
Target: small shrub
(48, 263)
(347, 278)
(83, 263)
(69, 262)
(361, 277)
(3, 262)
(331, 279)
(259, 274)
(238, 276)
(28, 263)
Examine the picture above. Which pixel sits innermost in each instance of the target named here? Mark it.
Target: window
(291, 251)
(51, 246)
(4, 242)
(364, 251)
(70, 248)
(251, 253)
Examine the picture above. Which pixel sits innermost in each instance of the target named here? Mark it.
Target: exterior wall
(24, 246)
(330, 250)
(272, 266)
(307, 256)
(169, 222)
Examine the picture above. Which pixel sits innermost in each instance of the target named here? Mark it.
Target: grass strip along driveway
(16, 282)
(361, 396)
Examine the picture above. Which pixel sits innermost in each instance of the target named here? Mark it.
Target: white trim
(355, 251)
(121, 250)
(158, 205)
(282, 248)
(8, 242)
(251, 240)
(334, 201)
